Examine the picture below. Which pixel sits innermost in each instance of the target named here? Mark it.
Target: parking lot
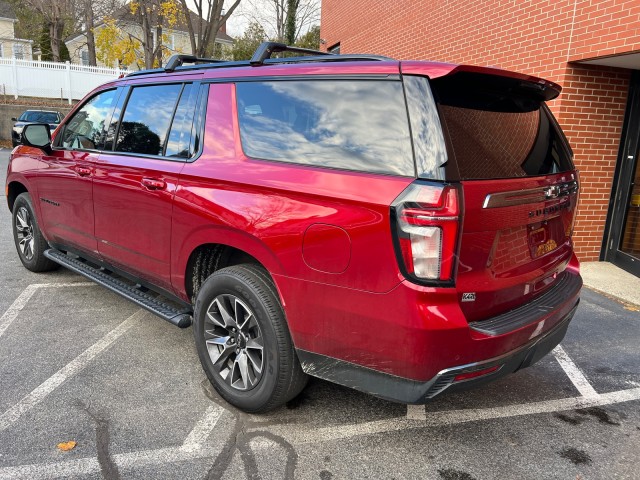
(78, 363)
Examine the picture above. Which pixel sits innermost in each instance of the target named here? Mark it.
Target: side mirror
(37, 135)
(14, 119)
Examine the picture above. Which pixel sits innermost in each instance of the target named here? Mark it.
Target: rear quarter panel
(265, 208)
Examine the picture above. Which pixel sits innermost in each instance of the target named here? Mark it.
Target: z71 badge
(469, 297)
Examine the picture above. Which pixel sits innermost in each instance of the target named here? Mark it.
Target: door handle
(83, 171)
(153, 183)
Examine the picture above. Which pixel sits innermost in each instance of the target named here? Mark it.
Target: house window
(335, 49)
(18, 52)
(84, 57)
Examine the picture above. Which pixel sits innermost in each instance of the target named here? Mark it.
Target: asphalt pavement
(78, 363)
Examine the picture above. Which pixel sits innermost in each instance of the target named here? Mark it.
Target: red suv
(402, 228)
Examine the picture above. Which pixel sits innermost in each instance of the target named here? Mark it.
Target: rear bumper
(394, 388)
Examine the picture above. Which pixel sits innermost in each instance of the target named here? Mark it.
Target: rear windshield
(497, 129)
(39, 117)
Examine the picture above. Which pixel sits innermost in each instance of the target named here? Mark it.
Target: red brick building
(591, 48)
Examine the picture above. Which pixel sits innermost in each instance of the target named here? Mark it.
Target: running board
(181, 317)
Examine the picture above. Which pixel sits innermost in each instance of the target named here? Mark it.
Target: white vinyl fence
(32, 78)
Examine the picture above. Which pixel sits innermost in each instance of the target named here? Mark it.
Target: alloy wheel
(234, 342)
(24, 229)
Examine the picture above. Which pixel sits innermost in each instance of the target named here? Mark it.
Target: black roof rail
(177, 60)
(266, 49)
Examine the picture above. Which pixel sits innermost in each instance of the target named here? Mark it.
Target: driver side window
(85, 130)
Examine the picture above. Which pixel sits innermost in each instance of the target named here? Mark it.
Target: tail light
(427, 219)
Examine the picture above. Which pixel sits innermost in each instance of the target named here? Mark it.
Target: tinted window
(180, 134)
(85, 129)
(354, 125)
(200, 119)
(500, 128)
(428, 141)
(146, 119)
(39, 117)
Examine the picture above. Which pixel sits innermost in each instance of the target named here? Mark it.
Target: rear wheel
(27, 236)
(243, 341)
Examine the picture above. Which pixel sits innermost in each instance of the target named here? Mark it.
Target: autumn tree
(88, 13)
(203, 26)
(138, 35)
(115, 47)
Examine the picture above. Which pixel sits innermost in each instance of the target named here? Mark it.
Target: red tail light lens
(427, 218)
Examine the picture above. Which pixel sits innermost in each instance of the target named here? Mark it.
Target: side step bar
(174, 315)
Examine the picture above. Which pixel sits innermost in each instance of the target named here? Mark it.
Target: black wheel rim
(24, 230)
(234, 342)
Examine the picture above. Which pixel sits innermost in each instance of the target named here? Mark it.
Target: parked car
(49, 117)
(401, 228)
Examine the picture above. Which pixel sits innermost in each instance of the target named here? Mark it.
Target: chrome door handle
(83, 171)
(153, 183)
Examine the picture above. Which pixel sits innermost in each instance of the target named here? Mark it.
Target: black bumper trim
(404, 390)
(566, 287)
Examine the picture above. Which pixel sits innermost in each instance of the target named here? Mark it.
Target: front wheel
(27, 236)
(243, 341)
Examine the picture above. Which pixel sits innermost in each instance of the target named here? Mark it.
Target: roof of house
(6, 11)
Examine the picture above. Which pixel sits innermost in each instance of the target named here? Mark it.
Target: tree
(205, 24)
(290, 24)
(56, 14)
(273, 15)
(244, 46)
(311, 39)
(134, 36)
(115, 47)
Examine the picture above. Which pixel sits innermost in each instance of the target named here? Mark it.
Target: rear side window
(354, 125)
(147, 118)
(497, 129)
(180, 134)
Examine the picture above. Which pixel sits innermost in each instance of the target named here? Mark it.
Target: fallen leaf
(66, 446)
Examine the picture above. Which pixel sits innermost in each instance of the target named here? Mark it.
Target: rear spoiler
(546, 89)
(528, 85)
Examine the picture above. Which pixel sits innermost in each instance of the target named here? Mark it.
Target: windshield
(39, 117)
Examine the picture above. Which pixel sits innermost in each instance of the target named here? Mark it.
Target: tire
(28, 238)
(271, 374)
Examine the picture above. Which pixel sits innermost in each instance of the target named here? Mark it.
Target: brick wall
(537, 37)
(591, 113)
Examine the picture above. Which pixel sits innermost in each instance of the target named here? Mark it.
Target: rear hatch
(518, 188)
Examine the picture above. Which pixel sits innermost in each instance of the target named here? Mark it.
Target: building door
(622, 239)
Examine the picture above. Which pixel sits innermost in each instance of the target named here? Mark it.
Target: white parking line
(416, 412)
(70, 369)
(202, 429)
(16, 307)
(574, 373)
(191, 449)
(304, 434)
(86, 466)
